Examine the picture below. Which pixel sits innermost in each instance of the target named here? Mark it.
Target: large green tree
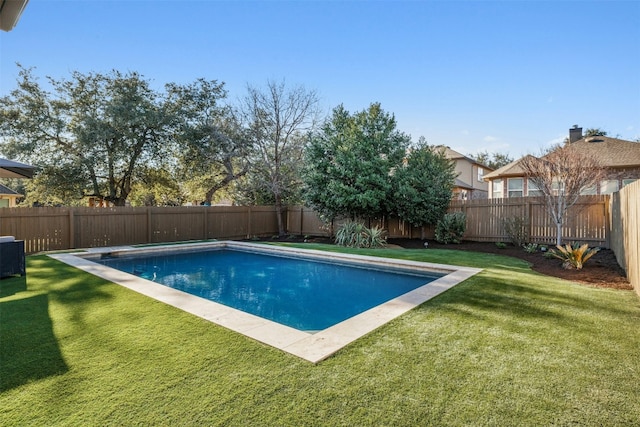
(213, 147)
(279, 119)
(424, 185)
(91, 132)
(492, 160)
(350, 163)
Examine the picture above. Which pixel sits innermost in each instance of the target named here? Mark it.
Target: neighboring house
(620, 158)
(8, 197)
(470, 183)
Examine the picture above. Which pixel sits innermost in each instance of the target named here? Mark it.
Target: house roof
(612, 152)
(6, 191)
(461, 184)
(10, 11)
(512, 169)
(454, 155)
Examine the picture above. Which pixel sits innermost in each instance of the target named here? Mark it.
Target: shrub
(354, 234)
(574, 256)
(501, 245)
(530, 248)
(516, 229)
(451, 228)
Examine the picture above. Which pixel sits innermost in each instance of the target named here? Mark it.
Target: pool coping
(313, 347)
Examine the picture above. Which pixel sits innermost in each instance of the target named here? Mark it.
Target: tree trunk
(281, 230)
(558, 233)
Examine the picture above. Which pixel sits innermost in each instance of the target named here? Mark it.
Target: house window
(497, 188)
(589, 191)
(516, 187)
(532, 189)
(480, 174)
(627, 181)
(608, 186)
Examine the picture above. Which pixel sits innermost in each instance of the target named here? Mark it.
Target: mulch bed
(602, 270)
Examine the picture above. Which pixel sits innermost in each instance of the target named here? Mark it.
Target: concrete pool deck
(313, 347)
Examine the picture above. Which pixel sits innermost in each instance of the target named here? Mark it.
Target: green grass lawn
(506, 347)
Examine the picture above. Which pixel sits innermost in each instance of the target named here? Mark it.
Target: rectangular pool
(311, 315)
(306, 294)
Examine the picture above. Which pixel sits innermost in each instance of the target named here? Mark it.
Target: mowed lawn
(506, 347)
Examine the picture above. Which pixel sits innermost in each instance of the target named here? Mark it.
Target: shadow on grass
(498, 296)
(11, 286)
(28, 347)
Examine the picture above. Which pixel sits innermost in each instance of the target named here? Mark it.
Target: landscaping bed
(602, 270)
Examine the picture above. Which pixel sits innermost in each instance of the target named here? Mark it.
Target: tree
(350, 164)
(595, 132)
(213, 147)
(493, 160)
(93, 132)
(561, 176)
(424, 185)
(279, 120)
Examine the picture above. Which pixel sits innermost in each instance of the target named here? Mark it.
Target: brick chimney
(575, 133)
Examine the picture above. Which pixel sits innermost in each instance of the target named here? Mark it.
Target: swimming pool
(310, 344)
(306, 294)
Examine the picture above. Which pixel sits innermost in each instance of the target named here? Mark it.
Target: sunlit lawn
(506, 347)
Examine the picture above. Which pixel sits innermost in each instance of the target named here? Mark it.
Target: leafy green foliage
(574, 255)
(451, 228)
(354, 234)
(492, 160)
(100, 126)
(530, 248)
(350, 163)
(501, 245)
(212, 146)
(424, 186)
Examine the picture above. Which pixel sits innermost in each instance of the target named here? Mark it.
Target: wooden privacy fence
(48, 229)
(625, 231)
(587, 221)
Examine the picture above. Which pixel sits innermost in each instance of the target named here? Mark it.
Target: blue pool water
(304, 294)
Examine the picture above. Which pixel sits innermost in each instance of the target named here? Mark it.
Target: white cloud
(489, 138)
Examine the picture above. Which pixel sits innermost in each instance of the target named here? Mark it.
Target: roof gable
(6, 191)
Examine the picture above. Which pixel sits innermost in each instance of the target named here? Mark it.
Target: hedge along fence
(587, 221)
(625, 231)
(48, 229)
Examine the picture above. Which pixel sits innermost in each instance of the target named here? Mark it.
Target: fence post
(205, 229)
(248, 222)
(72, 243)
(606, 205)
(149, 230)
(301, 220)
(529, 221)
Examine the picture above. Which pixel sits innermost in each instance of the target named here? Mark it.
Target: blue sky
(502, 76)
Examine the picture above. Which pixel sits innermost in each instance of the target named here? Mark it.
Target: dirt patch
(602, 270)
